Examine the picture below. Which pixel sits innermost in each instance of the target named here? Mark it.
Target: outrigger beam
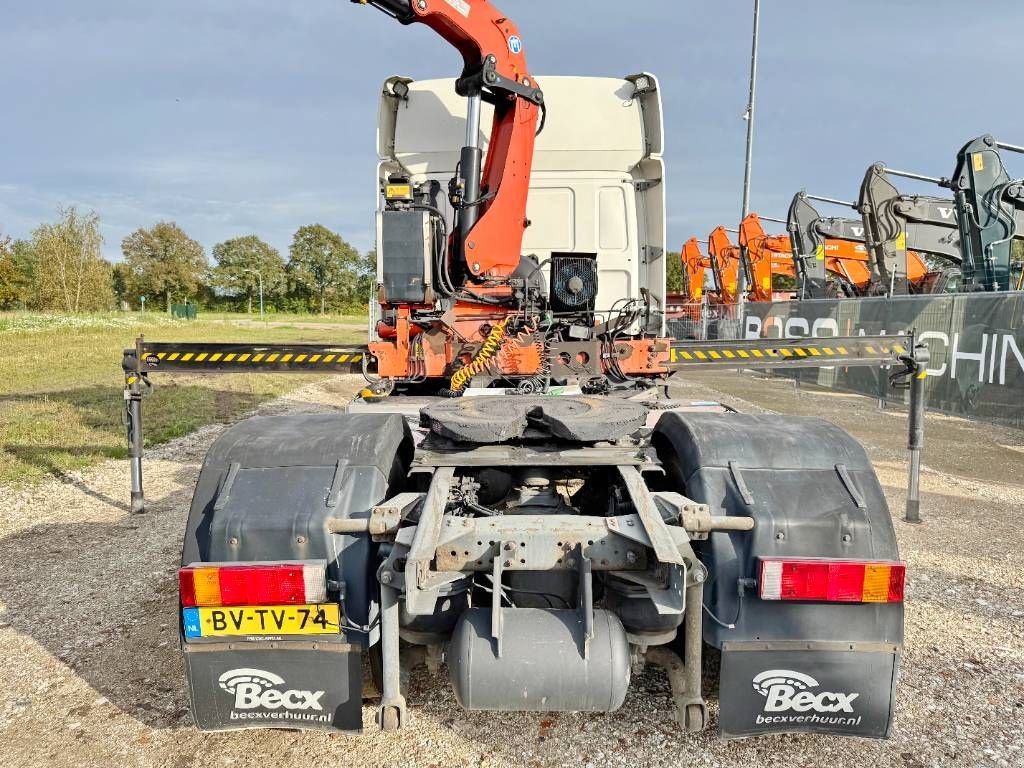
(898, 351)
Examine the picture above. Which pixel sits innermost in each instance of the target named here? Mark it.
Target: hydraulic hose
(462, 377)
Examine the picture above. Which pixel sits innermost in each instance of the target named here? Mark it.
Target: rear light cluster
(298, 583)
(840, 581)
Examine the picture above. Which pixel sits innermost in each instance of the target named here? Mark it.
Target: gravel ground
(90, 674)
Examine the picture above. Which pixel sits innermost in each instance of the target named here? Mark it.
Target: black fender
(269, 484)
(812, 492)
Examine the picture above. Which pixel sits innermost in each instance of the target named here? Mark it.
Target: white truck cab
(597, 185)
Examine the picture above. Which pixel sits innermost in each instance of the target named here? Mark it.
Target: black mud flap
(781, 688)
(275, 685)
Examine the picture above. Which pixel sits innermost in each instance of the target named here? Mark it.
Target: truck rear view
(515, 499)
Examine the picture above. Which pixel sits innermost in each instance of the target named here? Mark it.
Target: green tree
(69, 273)
(367, 282)
(323, 263)
(242, 261)
(10, 276)
(673, 272)
(120, 277)
(163, 261)
(15, 274)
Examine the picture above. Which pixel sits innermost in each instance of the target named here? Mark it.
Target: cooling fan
(573, 283)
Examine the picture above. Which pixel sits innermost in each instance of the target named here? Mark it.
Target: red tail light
(841, 581)
(217, 584)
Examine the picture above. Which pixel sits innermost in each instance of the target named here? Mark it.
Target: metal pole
(741, 282)
(911, 175)
(749, 116)
(1011, 147)
(915, 436)
(833, 200)
(133, 423)
(470, 167)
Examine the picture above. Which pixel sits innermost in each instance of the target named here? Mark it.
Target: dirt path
(91, 675)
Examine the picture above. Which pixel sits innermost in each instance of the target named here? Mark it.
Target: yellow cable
(492, 344)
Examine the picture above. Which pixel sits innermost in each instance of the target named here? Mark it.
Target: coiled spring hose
(462, 377)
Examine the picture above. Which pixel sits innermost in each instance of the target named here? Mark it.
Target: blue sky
(234, 117)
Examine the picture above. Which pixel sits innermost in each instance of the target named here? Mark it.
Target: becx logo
(785, 690)
(254, 688)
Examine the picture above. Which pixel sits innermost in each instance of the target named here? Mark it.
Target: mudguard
(266, 490)
(812, 492)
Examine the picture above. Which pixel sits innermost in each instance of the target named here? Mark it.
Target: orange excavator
(846, 261)
(726, 261)
(766, 256)
(695, 267)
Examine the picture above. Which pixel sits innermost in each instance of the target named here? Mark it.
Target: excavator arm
(767, 255)
(894, 222)
(990, 213)
(491, 201)
(727, 261)
(837, 246)
(695, 264)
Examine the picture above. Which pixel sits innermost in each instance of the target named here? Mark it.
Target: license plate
(254, 620)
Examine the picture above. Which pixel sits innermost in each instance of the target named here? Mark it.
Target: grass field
(61, 382)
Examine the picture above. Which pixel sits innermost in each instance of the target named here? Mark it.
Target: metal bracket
(662, 543)
(419, 599)
(334, 492)
(496, 623)
(224, 493)
(741, 486)
(586, 600)
(668, 600)
(851, 488)
(384, 520)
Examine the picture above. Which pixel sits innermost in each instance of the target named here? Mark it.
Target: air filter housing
(573, 282)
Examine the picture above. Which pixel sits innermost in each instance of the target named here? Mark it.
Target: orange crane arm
(492, 210)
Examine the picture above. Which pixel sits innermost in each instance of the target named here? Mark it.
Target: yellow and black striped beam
(790, 353)
(173, 357)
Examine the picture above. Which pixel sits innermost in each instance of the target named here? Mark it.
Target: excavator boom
(894, 222)
(727, 261)
(990, 213)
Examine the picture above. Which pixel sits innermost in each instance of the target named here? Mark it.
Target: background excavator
(898, 225)
(727, 261)
(767, 257)
(695, 270)
(990, 215)
(831, 253)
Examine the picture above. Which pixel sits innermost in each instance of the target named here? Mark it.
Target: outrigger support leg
(133, 382)
(391, 715)
(912, 377)
(684, 675)
(915, 437)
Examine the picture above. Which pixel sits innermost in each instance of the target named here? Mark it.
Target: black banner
(976, 343)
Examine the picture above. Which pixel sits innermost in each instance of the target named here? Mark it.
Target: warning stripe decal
(774, 352)
(297, 358)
